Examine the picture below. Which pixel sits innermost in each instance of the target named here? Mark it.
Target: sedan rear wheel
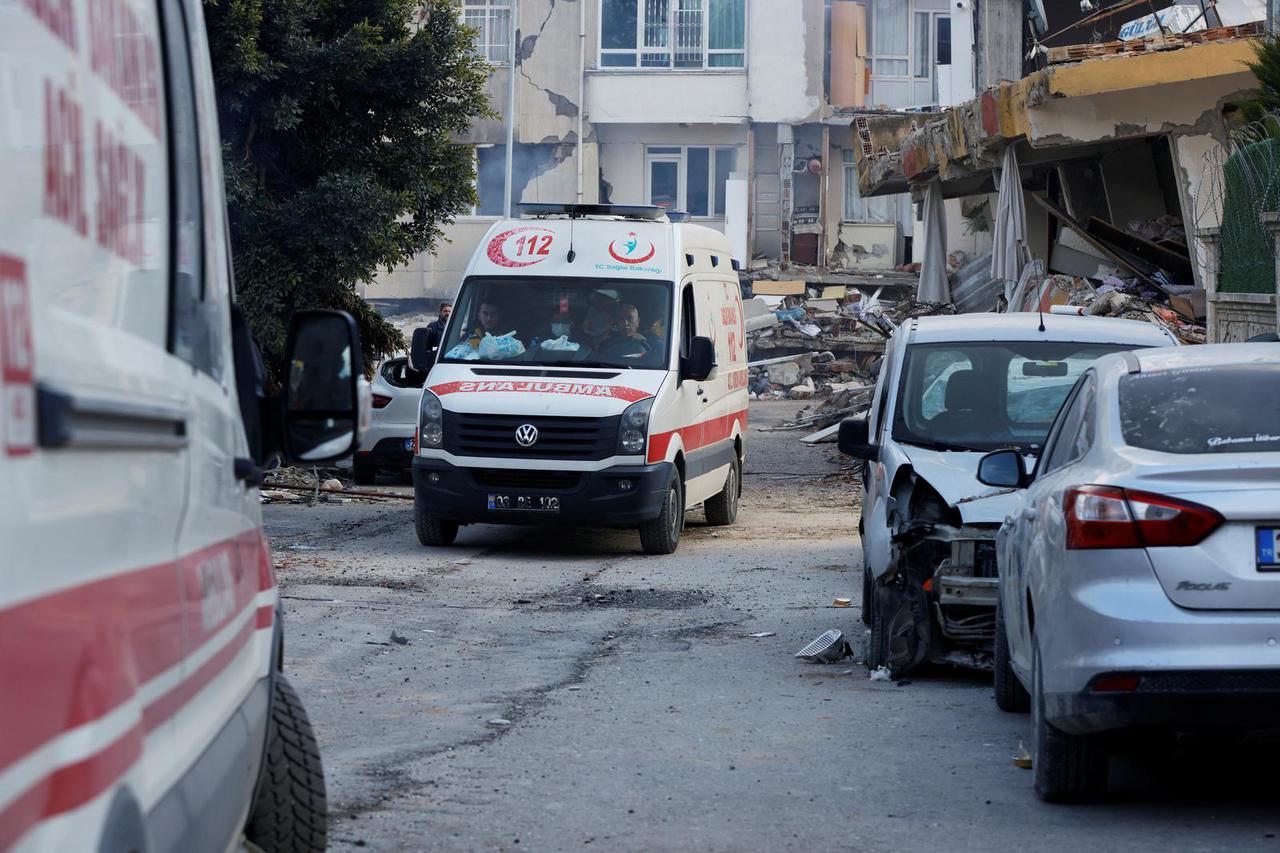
(1068, 768)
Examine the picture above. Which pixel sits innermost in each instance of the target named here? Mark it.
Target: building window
(689, 178)
(489, 179)
(690, 34)
(890, 38)
(491, 19)
(857, 208)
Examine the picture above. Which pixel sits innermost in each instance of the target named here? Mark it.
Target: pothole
(650, 598)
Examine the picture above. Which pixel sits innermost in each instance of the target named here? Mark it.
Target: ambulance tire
(290, 812)
(434, 530)
(723, 508)
(662, 535)
(364, 472)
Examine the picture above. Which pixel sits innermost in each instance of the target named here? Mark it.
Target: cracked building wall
(545, 166)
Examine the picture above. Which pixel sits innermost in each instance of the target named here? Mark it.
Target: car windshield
(1229, 409)
(982, 395)
(585, 322)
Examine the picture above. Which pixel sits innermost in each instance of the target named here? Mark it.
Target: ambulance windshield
(586, 322)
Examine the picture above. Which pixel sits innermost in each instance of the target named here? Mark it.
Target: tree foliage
(1265, 104)
(336, 119)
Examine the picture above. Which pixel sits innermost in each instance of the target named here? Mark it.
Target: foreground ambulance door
(90, 599)
(219, 544)
(699, 470)
(689, 401)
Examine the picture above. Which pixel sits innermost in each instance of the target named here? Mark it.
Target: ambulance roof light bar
(578, 211)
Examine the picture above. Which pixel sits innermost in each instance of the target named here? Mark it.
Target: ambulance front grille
(558, 437)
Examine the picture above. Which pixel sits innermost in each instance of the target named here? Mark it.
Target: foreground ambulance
(594, 372)
(142, 702)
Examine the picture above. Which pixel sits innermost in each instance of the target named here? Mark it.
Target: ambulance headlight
(430, 421)
(634, 429)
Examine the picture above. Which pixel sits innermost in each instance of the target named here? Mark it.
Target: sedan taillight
(381, 401)
(1111, 517)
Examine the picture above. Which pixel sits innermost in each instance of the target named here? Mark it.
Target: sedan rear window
(1234, 409)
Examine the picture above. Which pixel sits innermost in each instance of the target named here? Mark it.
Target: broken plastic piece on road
(881, 673)
(399, 640)
(463, 562)
(1022, 758)
(843, 602)
(499, 721)
(760, 634)
(829, 647)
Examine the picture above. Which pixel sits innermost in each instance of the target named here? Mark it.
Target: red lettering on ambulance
(121, 205)
(58, 15)
(17, 360)
(63, 159)
(124, 56)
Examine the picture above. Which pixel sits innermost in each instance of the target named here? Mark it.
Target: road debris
(398, 639)
(499, 722)
(843, 602)
(760, 634)
(881, 673)
(1022, 758)
(828, 647)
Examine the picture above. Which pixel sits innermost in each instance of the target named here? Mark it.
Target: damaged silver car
(950, 389)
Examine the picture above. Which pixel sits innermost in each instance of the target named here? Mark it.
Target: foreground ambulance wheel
(363, 471)
(433, 530)
(662, 535)
(723, 508)
(289, 814)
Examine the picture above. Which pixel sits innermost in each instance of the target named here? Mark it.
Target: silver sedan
(1140, 576)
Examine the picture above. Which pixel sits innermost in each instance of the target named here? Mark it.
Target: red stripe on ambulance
(581, 389)
(697, 436)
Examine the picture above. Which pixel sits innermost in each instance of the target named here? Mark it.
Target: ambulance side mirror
(420, 355)
(700, 361)
(322, 400)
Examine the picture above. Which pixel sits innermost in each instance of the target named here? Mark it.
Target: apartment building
(740, 113)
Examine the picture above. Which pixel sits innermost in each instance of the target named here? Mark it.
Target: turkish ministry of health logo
(626, 251)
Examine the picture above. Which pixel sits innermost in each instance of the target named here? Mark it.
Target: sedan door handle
(1030, 513)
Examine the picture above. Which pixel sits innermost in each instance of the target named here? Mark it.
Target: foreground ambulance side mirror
(322, 399)
(420, 355)
(700, 361)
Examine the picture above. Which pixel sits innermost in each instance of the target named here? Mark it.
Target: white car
(1140, 573)
(949, 390)
(387, 445)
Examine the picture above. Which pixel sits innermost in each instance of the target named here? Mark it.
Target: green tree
(337, 118)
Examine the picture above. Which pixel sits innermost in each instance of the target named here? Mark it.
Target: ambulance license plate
(523, 503)
(1268, 549)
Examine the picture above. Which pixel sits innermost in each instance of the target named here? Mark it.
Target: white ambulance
(142, 707)
(594, 372)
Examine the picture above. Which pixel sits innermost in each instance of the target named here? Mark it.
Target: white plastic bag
(464, 351)
(561, 344)
(501, 347)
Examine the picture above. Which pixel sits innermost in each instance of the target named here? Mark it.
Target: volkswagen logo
(526, 435)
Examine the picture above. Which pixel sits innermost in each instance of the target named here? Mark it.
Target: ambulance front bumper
(622, 495)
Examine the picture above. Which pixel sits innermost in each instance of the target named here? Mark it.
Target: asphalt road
(558, 690)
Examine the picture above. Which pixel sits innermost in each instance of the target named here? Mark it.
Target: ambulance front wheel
(432, 529)
(662, 535)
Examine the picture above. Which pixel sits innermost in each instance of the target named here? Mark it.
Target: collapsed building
(1106, 180)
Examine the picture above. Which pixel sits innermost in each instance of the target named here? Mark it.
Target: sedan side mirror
(855, 439)
(322, 402)
(1003, 469)
(700, 361)
(420, 355)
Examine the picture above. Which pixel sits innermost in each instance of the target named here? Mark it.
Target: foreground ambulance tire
(723, 508)
(662, 535)
(364, 472)
(289, 814)
(433, 530)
